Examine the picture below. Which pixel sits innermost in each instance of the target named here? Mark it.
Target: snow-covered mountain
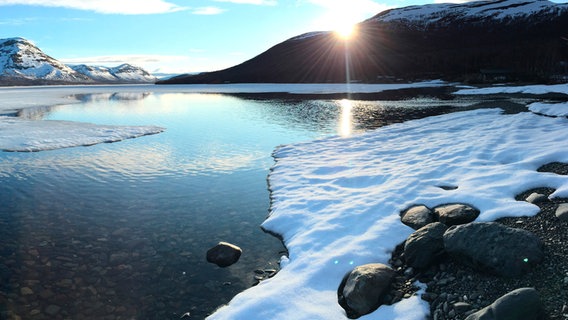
(495, 11)
(21, 62)
(478, 41)
(124, 73)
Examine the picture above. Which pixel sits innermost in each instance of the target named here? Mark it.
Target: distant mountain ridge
(122, 73)
(474, 41)
(23, 63)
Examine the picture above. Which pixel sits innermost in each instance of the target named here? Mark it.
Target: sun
(345, 30)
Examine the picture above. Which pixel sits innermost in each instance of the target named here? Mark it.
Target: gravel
(455, 291)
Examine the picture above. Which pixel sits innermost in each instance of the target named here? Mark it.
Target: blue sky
(175, 36)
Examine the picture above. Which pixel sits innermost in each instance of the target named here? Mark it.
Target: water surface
(120, 231)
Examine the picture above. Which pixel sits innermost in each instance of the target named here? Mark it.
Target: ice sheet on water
(532, 89)
(29, 135)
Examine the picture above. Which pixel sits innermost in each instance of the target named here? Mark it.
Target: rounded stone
(535, 198)
(362, 290)
(494, 248)
(224, 254)
(523, 303)
(454, 214)
(562, 212)
(425, 245)
(417, 216)
(25, 291)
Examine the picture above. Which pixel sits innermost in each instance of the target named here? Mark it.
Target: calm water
(120, 231)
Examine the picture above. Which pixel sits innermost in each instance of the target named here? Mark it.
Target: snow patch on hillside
(123, 73)
(20, 59)
(496, 10)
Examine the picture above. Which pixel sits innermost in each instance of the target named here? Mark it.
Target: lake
(120, 231)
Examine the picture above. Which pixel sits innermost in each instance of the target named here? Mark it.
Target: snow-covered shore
(336, 201)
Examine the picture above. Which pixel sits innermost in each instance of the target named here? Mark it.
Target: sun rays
(345, 30)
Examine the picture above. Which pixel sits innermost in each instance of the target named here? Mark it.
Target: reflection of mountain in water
(35, 113)
(39, 113)
(116, 96)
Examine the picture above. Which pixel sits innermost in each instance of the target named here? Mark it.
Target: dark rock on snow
(536, 197)
(417, 216)
(562, 211)
(454, 214)
(425, 245)
(518, 304)
(224, 254)
(494, 248)
(362, 290)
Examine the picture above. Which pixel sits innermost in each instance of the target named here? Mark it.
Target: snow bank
(29, 135)
(550, 109)
(336, 201)
(534, 89)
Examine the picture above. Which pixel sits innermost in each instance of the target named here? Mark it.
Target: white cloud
(256, 2)
(207, 10)
(104, 6)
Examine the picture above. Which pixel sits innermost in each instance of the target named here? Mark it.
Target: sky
(175, 36)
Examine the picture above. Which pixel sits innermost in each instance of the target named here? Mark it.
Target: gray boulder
(494, 248)
(518, 304)
(454, 214)
(224, 254)
(362, 290)
(425, 245)
(417, 216)
(535, 198)
(562, 211)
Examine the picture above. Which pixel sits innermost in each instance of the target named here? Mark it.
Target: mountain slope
(21, 60)
(124, 73)
(23, 63)
(475, 41)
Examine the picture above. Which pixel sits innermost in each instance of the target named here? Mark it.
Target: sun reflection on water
(346, 118)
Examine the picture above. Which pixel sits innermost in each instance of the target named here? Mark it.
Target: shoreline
(449, 282)
(513, 107)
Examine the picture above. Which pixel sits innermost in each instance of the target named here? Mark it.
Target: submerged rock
(362, 290)
(523, 303)
(224, 254)
(494, 248)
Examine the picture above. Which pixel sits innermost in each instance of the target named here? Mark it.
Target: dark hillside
(449, 44)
